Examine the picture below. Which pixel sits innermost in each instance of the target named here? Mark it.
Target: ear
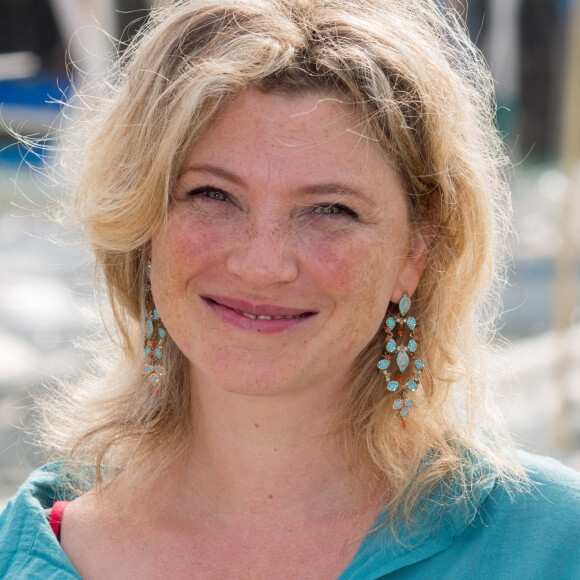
(412, 268)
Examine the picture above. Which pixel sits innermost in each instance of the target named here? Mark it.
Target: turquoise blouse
(494, 534)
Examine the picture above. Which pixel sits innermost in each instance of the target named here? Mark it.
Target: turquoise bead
(402, 361)
(404, 305)
(419, 364)
(412, 346)
(391, 345)
(390, 323)
(411, 323)
(412, 385)
(392, 386)
(383, 364)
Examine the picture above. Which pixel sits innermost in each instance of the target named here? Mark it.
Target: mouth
(263, 313)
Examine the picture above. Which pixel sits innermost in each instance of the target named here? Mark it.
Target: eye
(333, 209)
(209, 192)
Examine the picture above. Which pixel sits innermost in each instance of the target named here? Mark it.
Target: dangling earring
(155, 334)
(403, 356)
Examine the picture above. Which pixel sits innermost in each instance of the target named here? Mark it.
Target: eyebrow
(318, 188)
(337, 189)
(215, 170)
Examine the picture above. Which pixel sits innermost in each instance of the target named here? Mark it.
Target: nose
(263, 256)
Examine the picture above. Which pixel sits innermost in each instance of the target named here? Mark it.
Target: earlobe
(413, 267)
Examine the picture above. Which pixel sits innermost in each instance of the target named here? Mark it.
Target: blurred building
(523, 40)
(39, 42)
(524, 43)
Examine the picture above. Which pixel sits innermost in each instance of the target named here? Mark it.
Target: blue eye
(333, 209)
(209, 192)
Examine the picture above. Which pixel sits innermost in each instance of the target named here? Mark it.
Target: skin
(265, 242)
(284, 207)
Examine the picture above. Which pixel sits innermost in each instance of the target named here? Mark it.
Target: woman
(297, 209)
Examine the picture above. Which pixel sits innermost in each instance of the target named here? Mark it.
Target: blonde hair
(422, 90)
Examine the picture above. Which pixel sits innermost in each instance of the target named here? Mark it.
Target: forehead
(293, 136)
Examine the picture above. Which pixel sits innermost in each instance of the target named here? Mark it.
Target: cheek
(356, 270)
(360, 278)
(178, 253)
(184, 246)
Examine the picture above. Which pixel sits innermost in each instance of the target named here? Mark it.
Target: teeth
(264, 317)
(252, 316)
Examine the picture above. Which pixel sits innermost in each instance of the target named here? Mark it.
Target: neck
(256, 457)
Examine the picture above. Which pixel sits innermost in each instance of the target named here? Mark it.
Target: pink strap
(55, 516)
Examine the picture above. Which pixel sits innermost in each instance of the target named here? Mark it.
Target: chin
(265, 383)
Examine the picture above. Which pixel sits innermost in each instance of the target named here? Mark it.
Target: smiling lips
(256, 317)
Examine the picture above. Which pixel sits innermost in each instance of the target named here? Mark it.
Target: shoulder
(553, 493)
(492, 529)
(530, 530)
(28, 547)
(548, 471)
(527, 531)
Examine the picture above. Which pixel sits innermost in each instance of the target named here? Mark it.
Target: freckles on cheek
(355, 270)
(190, 245)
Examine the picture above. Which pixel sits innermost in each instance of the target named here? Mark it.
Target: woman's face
(287, 236)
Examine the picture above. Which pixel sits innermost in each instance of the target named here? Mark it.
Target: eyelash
(330, 209)
(333, 209)
(218, 194)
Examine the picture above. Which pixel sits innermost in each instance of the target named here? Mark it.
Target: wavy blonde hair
(423, 92)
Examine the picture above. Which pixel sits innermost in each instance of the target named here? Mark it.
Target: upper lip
(256, 309)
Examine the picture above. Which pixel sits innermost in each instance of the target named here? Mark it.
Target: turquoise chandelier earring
(154, 336)
(402, 355)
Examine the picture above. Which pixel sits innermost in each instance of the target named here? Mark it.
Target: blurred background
(533, 48)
